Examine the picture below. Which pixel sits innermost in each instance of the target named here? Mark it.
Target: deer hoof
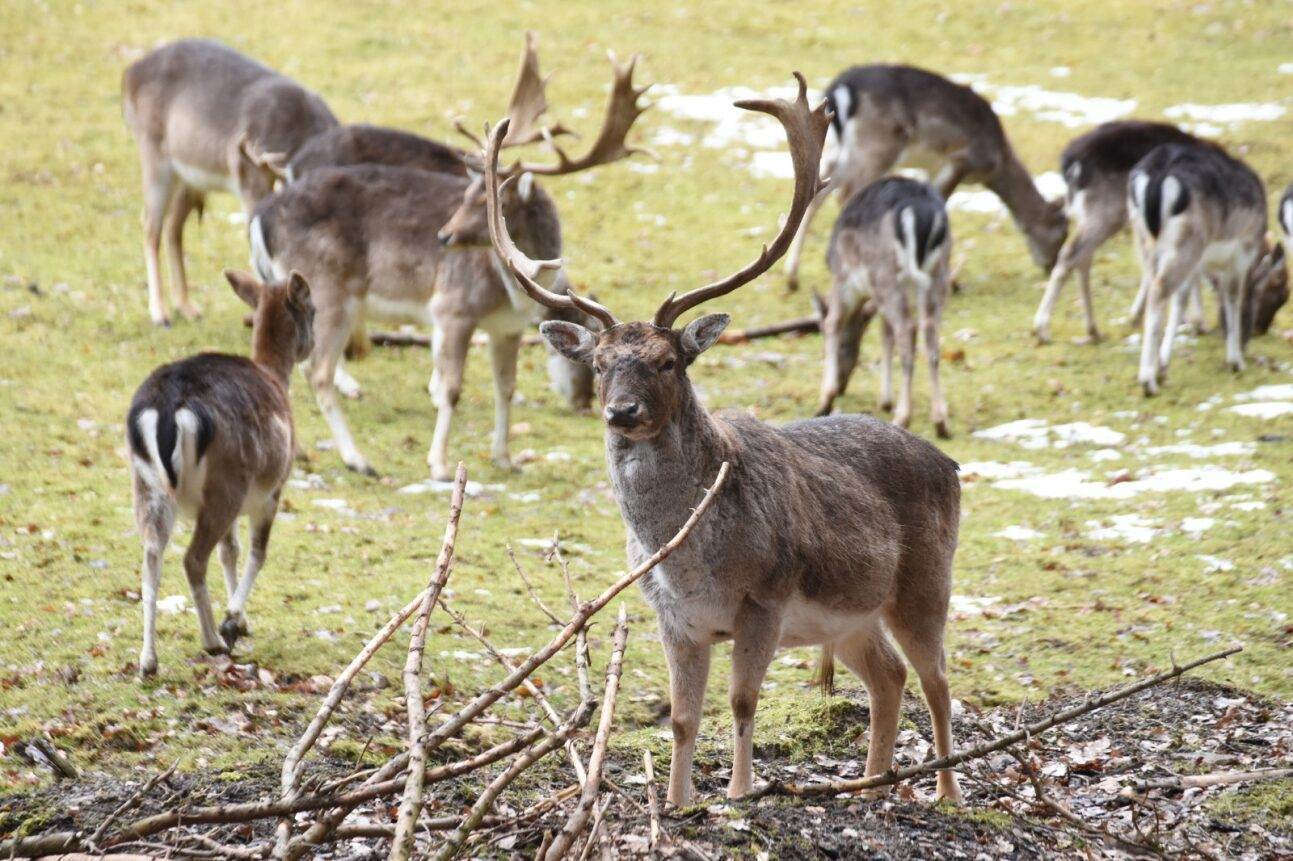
(147, 667)
(940, 428)
(222, 649)
(1042, 335)
(362, 469)
(231, 629)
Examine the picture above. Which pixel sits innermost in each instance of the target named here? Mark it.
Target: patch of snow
(992, 470)
(1124, 527)
(1199, 452)
(331, 504)
(1038, 433)
(971, 605)
(1197, 525)
(1071, 110)
(173, 604)
(472, 488)
(772, 165)
(1263, 409)
(545, 545)
(1060, 71)
(1228, 115)
(732, 126)
(1214, 564)
(1105, 454)
(1277, 392)
(1285, 68)
(1255, 505)
(1018, 533)
(1076, 484)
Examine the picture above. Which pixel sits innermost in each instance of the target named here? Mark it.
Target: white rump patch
(1139, 183)
(1286, 217)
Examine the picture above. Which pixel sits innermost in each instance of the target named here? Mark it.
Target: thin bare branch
(653, 799)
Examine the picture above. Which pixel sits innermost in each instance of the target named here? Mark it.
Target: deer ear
(570, 340)
(525, 186)
(298, 289)
(247, 287)
(701, 334)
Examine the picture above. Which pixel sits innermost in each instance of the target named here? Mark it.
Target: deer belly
(201, 179)
(507, 320)
(922, 157)
(807, 623)
(389, 310)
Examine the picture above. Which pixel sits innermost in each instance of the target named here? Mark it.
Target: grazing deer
(889, 253)
(1197, 212)
(1095, 167)
(409, 245)
(884, 116)
(828, 531)
(207, 119)
(211, 438)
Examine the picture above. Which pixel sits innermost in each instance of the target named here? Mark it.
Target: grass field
(1076, 601)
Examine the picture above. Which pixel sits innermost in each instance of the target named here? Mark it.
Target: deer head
(643, 365)
(282, 319)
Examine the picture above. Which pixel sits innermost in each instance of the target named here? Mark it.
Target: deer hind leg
(1171, 273)
(886, 364)
(184, 202)
(331, 330)
(155, 516)
(919, 632)
(449, 345)
(688, 673)
(907, 353)
(869, 656)
(213, 523)
(1197, 318)
(1175, 311)
(1230, 287)
(503, 351)
(753, 645)
(842, 331)
(159, 189)
(229, 560)
(1076, 256)
(937, 404)
(235, 620)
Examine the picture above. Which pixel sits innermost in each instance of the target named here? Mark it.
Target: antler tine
(529, 100)
(622, 111)
(521, 266)
(805, 133)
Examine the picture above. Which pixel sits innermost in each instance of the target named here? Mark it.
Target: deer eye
(667, 366)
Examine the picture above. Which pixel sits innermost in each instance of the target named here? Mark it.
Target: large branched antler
(805, 133)
(622, 110)
(529, 102)
(523, 268)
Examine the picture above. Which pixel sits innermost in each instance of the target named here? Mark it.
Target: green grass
(76, 341)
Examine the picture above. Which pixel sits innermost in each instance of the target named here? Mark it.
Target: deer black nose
(445, 237)
(624, 414)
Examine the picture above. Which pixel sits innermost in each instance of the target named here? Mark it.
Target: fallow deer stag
(886, 115)
(207, 119)
(410, 245)
(889, 254)
(828, 530)
(211, 438)
(1198, 212)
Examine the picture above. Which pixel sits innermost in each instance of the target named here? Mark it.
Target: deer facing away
(207, 119)
(830, 531)
(396, 243)
(889, 254)
(211, 438)
(886, 115)
(1197, 212)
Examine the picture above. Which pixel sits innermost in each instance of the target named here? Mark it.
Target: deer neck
(1014, 185)
(272, 350)
(659, 481)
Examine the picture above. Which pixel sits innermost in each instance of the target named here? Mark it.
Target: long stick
(557, 739)
(411, 803)
(797, 325)
(653, 800)
(890, 777)
(1221, 778)
(92, 842)
(565, 838)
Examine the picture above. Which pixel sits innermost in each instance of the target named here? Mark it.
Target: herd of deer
(350, 223)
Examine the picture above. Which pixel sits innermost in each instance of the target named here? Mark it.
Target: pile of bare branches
(405, 778)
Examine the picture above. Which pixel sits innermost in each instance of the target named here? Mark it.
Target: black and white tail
(168, 439)
(922, 229)
(1156, 198)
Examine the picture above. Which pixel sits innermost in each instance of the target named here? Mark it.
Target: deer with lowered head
(207, 119)
(409, 245)
(829, 531)
(1198, 212)
(889, 115)
(889, 254)
(211, 438)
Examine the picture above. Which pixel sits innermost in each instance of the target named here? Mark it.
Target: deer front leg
(906, 335)
(229, 560)
(886, 365)
(503, 350)
(155, 516)
(159, 187)
(1197, 318)
(688, 673)
(937, 405)
(754, 642)
(331, 331)
(449, 344)
(1230, 287)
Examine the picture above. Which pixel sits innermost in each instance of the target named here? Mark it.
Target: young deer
(211, 438)
(207, 119)
(828, 530)
(410, 245)
(1197, 212)
(1095, 167)
(886, 115)
(889, 253)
